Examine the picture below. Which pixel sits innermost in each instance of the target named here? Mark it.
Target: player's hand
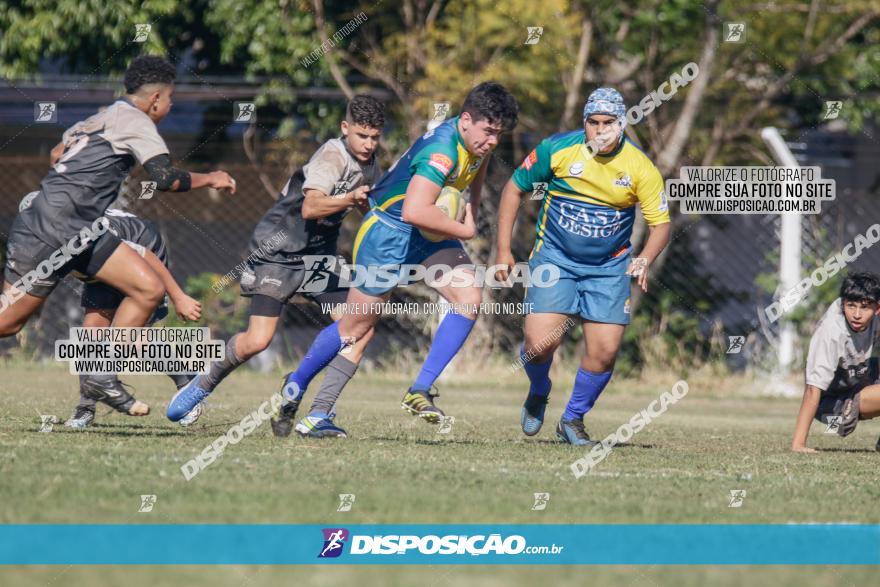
(220, 180)
(506, 259)
(638, 268)
(803, 449)
(469, 223)
(187, 308)
(359, 195)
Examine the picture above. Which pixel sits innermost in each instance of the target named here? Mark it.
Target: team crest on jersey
(441, 163)
(623, 181)
(530, 160)
(475, 165)
(576, 168)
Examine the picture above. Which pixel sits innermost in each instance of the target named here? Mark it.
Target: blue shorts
(596, 293)
(386, 243)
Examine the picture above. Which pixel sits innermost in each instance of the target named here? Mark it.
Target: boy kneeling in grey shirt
(842, 384)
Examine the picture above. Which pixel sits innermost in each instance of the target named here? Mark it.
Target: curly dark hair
(861, 287)
(491, 101)
(366, 111)
(148, 69)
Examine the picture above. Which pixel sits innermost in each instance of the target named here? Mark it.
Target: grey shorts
(25, 253)
(282, 282)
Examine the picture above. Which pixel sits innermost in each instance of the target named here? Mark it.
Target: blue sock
(539, 375)
(325, 346)
(587, 387)
(450, 337)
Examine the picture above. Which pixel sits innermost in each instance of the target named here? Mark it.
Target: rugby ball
(452, 203)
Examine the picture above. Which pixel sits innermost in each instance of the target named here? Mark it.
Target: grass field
(680, 469)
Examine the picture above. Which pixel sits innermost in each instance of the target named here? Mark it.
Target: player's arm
(431, 168)
(318, 204)
(322, 173)
(655, 209)
(186, 307)
(511, 198)
(476, 187)
(142, 140)
(809, 405)
(172, 179)
(822, 360)
(420, 211)
(56, 153)
(658, 238)
(535, 168)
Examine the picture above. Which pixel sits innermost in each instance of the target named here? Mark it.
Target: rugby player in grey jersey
(100, 302)
(307, 218)
(842, 378)
(64, 230)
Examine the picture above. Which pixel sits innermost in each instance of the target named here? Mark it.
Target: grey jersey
(840, 359)
(99, 154)
(332, 170)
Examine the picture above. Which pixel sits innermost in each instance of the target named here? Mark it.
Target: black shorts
(282, 282)
(100, 296)
(36, 268)
(840, 411)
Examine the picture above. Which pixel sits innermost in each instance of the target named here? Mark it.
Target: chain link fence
(713, 282)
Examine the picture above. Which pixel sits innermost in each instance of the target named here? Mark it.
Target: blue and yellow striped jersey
(438, 155)
(588, 205)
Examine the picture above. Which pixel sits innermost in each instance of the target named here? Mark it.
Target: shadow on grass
(122, 429)
(153, 433)
(562, 444)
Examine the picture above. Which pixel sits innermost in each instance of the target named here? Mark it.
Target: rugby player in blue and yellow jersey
(584, 226)
(457, 154)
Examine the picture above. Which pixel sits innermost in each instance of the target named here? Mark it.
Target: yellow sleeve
(651, 195)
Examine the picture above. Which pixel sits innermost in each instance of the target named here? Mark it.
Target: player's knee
(601, 360)
(252, 343)
(466, 302)
(150, 290)
(357, 329)
(539, 351)
(539, 354)
(470, 297)
(363, 340)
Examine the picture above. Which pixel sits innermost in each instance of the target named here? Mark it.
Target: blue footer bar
(613, 544)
